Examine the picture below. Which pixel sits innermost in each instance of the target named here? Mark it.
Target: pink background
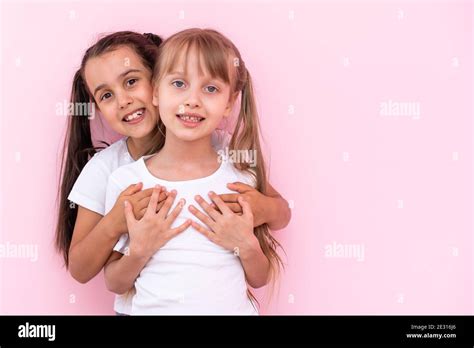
(400, 186)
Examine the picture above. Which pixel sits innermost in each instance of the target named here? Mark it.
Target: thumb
(128, 211)
(134, 188)
(240, 187)
(246, 209)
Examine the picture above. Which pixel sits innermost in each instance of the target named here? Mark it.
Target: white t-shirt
(189, 274)
(90, 188)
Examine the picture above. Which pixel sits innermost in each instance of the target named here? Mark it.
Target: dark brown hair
(78, 147)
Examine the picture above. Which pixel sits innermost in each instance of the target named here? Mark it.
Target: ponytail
(77, 150)
(246, 137)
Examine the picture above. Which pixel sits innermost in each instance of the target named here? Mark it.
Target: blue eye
(178, 84)
(212, 89)
(104, 96)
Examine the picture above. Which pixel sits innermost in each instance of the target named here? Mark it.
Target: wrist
(138, 252)
(268, 212)
(250, 250)
(115, 227)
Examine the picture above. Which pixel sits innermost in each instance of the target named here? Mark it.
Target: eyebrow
(125, 73)
(176, 73)
(216, 79)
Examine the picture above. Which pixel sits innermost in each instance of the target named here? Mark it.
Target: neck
(136, 146)
(176, 150)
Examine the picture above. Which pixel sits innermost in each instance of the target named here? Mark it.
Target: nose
(124, 100)
(193, 99)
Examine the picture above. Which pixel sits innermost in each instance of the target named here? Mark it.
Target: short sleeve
(114, 190)
(122, 244)
(90, 187)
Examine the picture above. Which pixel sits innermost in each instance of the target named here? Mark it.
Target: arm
(94, 236)
(256, 265)
(277, 212)
(121, 271)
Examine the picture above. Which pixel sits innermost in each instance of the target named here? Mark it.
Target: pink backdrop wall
(366, 109)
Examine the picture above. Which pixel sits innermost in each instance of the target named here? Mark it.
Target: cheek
(218, 105)
(108, 114)
(167, 101)
(146, 94)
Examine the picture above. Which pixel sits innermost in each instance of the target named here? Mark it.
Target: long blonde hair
(223, 60)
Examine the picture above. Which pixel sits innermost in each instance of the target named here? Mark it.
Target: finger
(128, 211)
(213, 213)
(203, 217)
(220, 204)
(143, 194)
(177, 230)
(167, 205)
(132, 189)
(229, 197)
(162, 197)
(240, 187)
(141, 213)
(235, 207)
(144, 201)
(159, 206)
(175, 212)
(153, 200)
(246, 209)
(210, 235)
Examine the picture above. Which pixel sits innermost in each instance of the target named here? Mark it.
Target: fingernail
(191, 208)
(157, 186)
(211, 193)
(125, 203)
(198, 198)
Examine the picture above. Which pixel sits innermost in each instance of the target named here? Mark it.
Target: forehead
(198, 61)
(108, 66)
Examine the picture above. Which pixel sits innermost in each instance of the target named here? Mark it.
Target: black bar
(225, 330)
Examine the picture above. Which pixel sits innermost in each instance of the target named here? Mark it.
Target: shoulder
(113, 156)
(245, 176)
(128, 173)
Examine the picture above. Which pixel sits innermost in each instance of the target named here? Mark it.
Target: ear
(230, 104)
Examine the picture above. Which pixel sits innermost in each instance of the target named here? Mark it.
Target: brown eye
(105, 96)
(131, 82)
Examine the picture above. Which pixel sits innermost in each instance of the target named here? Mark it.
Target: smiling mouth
(190, 118)
(134, 116)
